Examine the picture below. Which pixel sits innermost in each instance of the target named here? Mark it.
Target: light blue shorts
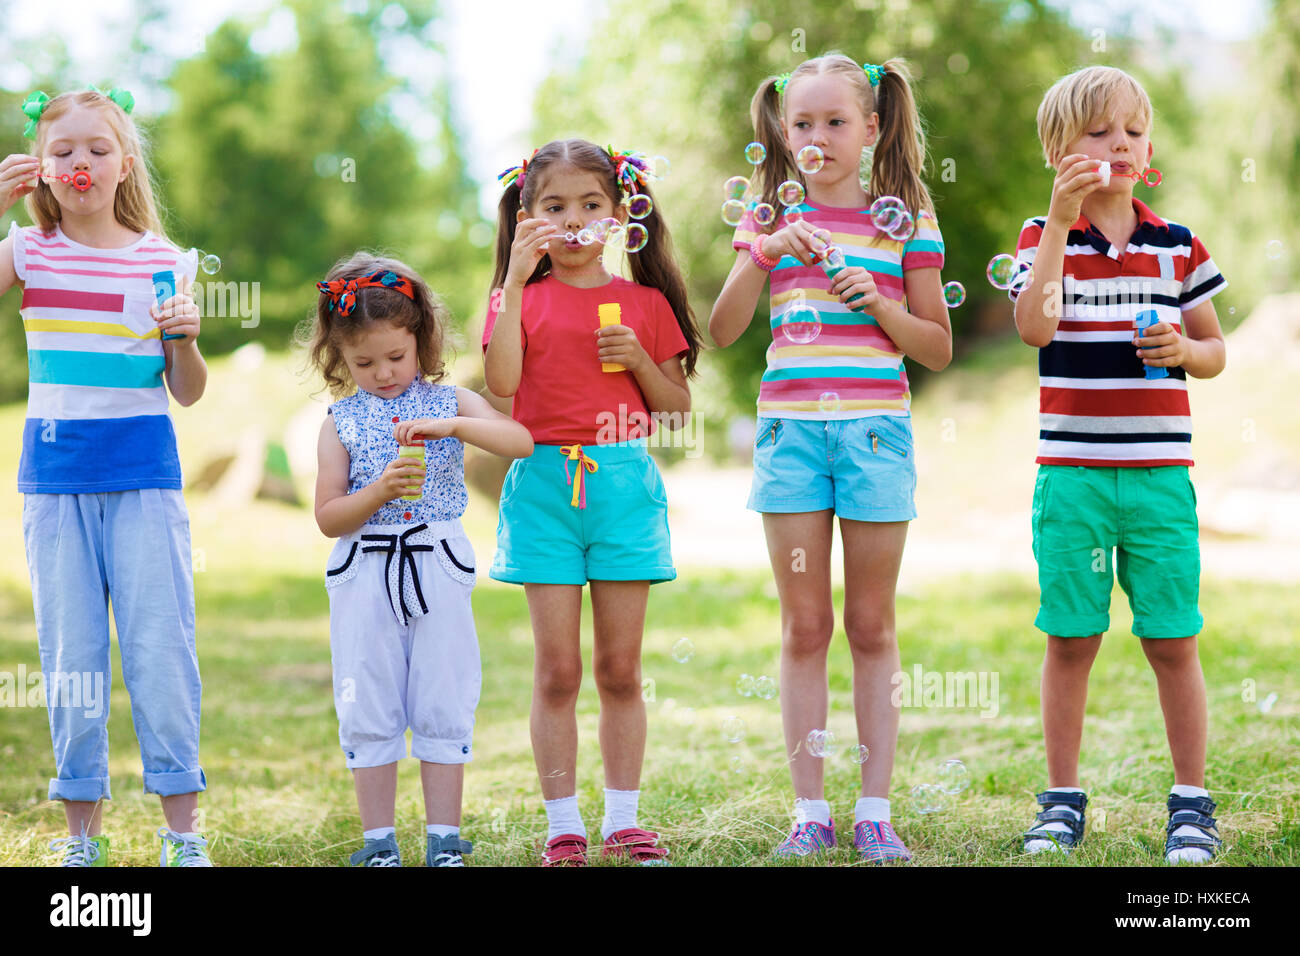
(862, 468)
(621, 534)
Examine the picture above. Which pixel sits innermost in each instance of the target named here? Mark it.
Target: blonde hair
(1075, 101)
(898, 156)
(134, 205)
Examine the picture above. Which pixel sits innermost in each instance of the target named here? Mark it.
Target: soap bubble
(1232, 311)
(765, 688)
(821, 241)
(755, 153)
(1267, 703)
(829, 402)
(886, 212)
(1023, 277)
(635, 236)
(745, 685)
(800, 324)
(1001, 270)
(764, 214)
(954, 293)
(791, 192)
(929, 798)
(791, 216)
(733, 210)
(904, 227)
(1273, 248)
(640, 206)
(733, 728)
(585, 236)
(735, 187)
(810, 160)
(953, 776)
(821, 743)
(600, 229)
(737, 764)
(614, 235)
(210, 264)
(683, 650)
(859, 754)
(659, 167)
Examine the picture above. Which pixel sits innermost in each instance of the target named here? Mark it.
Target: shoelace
(387, 858)
(77, 850)
(192, 850)
(448, 859)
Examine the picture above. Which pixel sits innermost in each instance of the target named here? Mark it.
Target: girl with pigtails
(834, 432)
(591, 361)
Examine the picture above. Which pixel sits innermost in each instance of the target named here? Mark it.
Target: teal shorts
(620, 535)
(1140, 522)
(863, 469)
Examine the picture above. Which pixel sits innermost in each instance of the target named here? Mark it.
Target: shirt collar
(1145, 218)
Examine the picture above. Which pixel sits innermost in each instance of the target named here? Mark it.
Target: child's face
(82, 141)
(571, 198)
(382, 359)
(825, 111)
(1120, 137)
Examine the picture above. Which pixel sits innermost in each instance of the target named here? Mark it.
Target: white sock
(1037, 846)
(562, 817)
(812, 811)
(442, 829)
(1189, 854)
(379, 833)
(620, 811)
(875, 809)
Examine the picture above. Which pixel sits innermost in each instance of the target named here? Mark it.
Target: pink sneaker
(876, 842)
(640, 846)
(805, 840)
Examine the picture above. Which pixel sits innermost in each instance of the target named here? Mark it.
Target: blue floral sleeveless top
(365, 426)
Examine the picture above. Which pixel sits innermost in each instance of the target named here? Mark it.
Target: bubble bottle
(1145, 319)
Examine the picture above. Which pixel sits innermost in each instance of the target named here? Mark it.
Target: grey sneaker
(378, 853)
(446, 851)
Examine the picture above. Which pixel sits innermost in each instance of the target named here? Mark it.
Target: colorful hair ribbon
(515, 174)
(629, 170)
(342, 293)
(781, 82)
(874, 73)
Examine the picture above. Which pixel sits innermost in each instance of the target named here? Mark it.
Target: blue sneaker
(378, 853)
(447, 851)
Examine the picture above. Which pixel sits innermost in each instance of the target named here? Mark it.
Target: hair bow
(515, 174)
(874, 73)
(629, 170)
(781, 81)
(342, 293)
(33, 107)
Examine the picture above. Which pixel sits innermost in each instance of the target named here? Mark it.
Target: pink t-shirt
(563, 395)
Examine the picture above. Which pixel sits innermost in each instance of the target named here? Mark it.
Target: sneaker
(447, 851)
(82, 850)
(640, 846)
(381, 852)
(805, 840)
(182, 849)
(567, 849)
(876, 842)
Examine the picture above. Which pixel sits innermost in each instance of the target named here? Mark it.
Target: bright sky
(482, 35)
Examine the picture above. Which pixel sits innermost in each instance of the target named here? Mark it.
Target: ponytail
(899, 156)
(765, 110)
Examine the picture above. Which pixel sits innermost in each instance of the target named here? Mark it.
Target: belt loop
(575, 453)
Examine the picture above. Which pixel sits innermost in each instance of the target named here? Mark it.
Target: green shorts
(1140, 521)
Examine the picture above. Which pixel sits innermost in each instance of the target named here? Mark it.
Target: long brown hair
(898, 157)
(653, 266)
(424, 316)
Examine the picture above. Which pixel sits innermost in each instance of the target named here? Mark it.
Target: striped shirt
(1096, 406)
(97, 407)
(849, 356)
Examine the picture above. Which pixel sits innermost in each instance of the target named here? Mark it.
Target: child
(589, 505)
(402, 637)
(834, 430)
(1115, 445)
(103, 516)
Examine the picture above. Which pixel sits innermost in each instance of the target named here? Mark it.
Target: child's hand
(797, 239)
(178, 315)
(424, 429)
(403, 476)
(618, 343)
(531, 239)
(1165, 346)
(18, 177)
(1076, 177)
(854, 280)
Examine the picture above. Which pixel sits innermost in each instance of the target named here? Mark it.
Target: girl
(103, 516)
(834, 433)
(587, 357)
(402, 635)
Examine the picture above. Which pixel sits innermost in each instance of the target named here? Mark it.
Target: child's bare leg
(1065, 694)
(83, 815)
(618, 609)
(182, 812)
(799, 546)
(443, 784)
(556, 611)
(1182, 700)
(376, 795)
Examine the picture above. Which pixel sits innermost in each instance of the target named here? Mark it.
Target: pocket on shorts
(890, 435)
(768, 433)
(1039, 506)
(513, 479)
(456, 556)
(342, 565)
(653, 482)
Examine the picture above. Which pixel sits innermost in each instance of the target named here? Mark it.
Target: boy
(1115, 444)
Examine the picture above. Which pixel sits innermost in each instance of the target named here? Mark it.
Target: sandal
(641, 846)
(567, 849)
(1062, 840)
(1191, 812)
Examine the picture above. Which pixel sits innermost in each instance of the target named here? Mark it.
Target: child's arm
(1039, 304)
(663, 384)
(503, 363)
(477, 424)
(1201, 351)
(186, 372)
(734, 309)
(8, 275)
(339, 513)
(924, 333)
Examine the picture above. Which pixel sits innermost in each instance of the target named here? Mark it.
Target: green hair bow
(35, 105)
(781, 81)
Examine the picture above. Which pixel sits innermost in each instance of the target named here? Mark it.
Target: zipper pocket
(877, 438)
(769, 435)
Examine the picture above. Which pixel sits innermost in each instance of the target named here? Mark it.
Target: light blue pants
(131, 548)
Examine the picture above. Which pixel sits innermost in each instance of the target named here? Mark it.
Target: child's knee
(618, 678)
(808, 633)
(869, 632)
(558, 684)
(1170, 652)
